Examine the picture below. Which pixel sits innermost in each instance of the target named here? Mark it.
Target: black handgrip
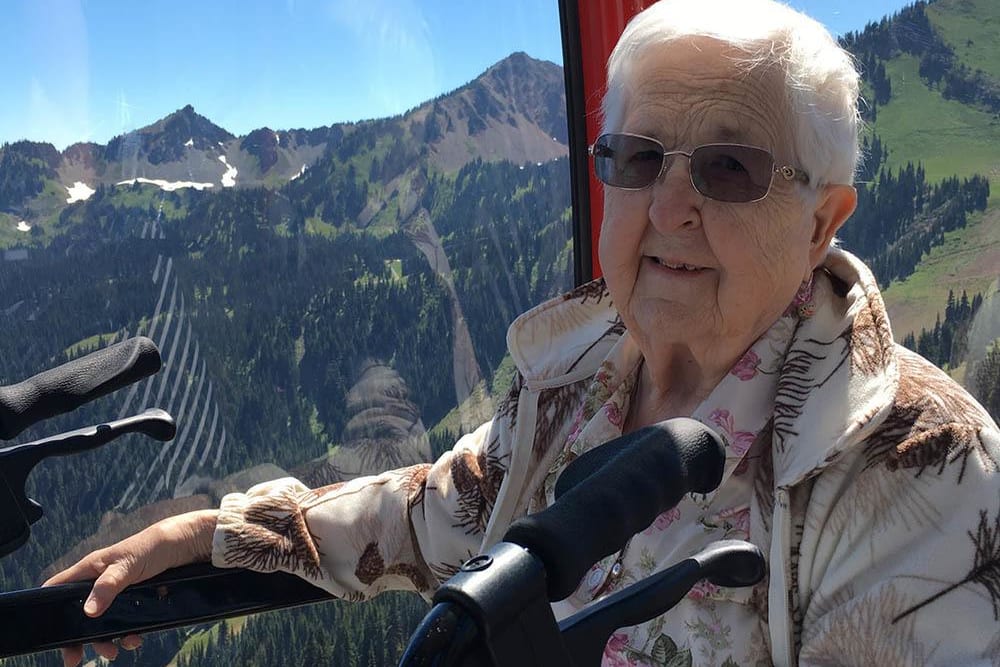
(67, 387)
(659, 465)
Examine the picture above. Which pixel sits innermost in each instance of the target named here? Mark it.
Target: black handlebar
(729, 563)
(606, 496)
(67, 387)
(494, 612)
(44, 618)
(629, 482)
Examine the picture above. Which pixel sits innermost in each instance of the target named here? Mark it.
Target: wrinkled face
(683, 268)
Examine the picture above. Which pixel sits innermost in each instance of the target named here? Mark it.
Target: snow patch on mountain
(169, 186)
(79, 192)
(228, 178)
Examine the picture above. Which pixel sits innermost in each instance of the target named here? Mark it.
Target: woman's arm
(908, 571)
(403, 529)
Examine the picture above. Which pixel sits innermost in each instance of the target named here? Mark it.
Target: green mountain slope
(942, 61)
(969, 260)
(972, 29)
(947, 136)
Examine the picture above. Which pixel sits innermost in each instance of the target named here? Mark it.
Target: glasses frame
(788, 172)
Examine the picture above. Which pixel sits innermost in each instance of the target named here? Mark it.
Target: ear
(834, 205)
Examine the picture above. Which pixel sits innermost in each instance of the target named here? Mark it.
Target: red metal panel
(601, 23)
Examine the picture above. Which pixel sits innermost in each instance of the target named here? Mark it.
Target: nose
(674, 203)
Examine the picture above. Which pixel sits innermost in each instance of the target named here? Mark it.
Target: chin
(663, 328)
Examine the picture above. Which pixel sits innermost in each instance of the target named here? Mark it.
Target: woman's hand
(172, 542)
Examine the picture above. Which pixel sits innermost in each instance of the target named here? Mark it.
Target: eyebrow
(730, 133)
(725, 131)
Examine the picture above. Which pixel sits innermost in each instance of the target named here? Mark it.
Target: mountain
(933, 76)
(168, 139)
(514, 111)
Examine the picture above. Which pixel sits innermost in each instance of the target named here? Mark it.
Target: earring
(802, 304)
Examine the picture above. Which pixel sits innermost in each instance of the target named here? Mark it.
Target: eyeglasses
(724, 172)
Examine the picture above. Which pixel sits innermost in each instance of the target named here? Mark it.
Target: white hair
(821, 80)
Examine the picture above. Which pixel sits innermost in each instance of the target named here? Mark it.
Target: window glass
(325, 214)
(927, 217)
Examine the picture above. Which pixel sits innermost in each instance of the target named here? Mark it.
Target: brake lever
(17, 510)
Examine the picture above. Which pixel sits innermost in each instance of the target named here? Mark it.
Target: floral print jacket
(867, 477)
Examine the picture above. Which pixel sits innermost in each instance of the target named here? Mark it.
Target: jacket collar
(567, 337)
(840, 375)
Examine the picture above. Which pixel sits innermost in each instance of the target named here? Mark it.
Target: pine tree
(222, 641)
(987, 381)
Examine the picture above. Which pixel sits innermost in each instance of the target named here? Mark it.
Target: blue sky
(78, 70)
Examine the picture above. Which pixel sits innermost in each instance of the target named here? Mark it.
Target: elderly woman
(866, 476)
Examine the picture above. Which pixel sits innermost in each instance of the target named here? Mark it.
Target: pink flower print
(746, 368)
(738, 442)
(598, 392)
(702, 590)
(663, 521)
(614, 651)
(614, 414)
(604, 376)
(722, 418)
(804, 293)
(575, 428)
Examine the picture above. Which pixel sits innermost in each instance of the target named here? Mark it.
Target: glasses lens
(627, 161)
(731, 173)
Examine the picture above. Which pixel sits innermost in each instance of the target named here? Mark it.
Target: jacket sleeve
(403, 529)
(907, 568)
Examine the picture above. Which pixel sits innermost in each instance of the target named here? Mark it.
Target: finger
(87, 568)
(130, 642)
(107, 650)
(72, 655)
(109, 584)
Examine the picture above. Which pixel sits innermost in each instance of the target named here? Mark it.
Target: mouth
(676, 266)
